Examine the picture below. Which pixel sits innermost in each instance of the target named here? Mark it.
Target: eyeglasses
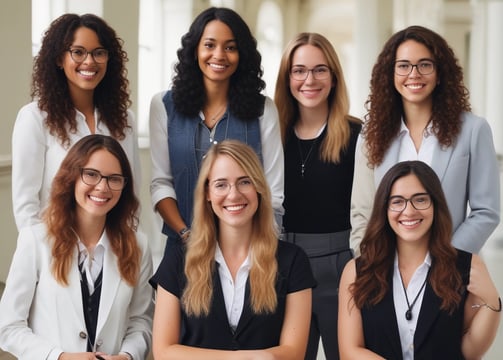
(93, 177)
(222, 187)
(79, 54)
(320, 72)
(419, 202)
(424, 67)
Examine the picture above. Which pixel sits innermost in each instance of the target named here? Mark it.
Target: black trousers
(328, 254)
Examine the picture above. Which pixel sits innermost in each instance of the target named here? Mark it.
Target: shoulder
(288, 254)
(471, 122)
(30, 113)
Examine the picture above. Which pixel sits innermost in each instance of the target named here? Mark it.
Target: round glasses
(93, 177)
(223, 187)
(424, 67)
(320, 72)
(419, 202)
(79, 54)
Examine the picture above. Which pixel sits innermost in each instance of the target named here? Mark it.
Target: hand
(103, 356)
(77, 356)
(481, 284)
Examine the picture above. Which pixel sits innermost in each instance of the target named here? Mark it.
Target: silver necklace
(302, 160)
(408, 313)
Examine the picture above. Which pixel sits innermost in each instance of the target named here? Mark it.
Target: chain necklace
(302, 160)
(215, 116)
(408, 313)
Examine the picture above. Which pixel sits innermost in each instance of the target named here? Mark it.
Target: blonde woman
(319, 139)
(235, 291)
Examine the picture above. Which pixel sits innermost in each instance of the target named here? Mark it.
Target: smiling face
(85, 76)
(415, 88)
(217, 52)
(237, 208)
(410, 225)
(310, 93)
(96, 201)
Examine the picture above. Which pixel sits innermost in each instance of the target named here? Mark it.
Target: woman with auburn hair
(419, 109)
(216, 95)
(319, 138)
(78, 284)
(79, 87)
(411, 294)
(236, 292)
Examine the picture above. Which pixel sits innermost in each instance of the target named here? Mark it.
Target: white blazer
(40, 318)
(468, 171)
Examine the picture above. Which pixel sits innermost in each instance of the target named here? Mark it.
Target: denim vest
(188, 141)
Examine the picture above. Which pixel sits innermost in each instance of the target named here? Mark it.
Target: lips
(235, 207)
(98, 199)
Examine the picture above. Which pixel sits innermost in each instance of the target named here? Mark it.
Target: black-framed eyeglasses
(421, 201)
(223, 187)
(79, 54)
(93, 177)
(320, 72)
(424, 67)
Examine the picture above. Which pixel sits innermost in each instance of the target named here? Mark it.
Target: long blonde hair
(338, 129)
(200, 255)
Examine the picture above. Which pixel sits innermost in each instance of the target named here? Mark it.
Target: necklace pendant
(408, 315)
(302, 170)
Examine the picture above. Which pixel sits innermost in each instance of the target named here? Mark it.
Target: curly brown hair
(384, 103)
(378, 246)
(50, 85)
(121, 222)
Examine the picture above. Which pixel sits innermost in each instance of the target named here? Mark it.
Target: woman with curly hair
(79, 87)
(236, 292)
(319, 138)
(78, 283)
(411, 294)
(418, 109)
(216, 95)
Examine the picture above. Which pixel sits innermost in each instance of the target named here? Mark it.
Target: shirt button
(83, 335)
(99, 342)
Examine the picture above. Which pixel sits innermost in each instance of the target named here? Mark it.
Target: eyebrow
(405, 60)
(225, 179)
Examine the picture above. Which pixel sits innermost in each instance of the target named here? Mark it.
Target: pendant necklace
(408, 313)
(213, 118)
(302, 160)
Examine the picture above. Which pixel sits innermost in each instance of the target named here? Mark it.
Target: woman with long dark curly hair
(216, 94)
(79, 87)
(78, 283)
(411, 294)
(418, 109)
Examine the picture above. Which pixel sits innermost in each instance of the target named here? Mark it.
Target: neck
(89, 230)
(417, 116)
(310, 122)
(410, 257)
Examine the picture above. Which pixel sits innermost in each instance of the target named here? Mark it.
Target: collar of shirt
(407, 150)
(82, 118)
(233, 290)
(407, 328)
(92, 260)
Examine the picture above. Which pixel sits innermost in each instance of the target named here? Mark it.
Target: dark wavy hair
(244, 97)
(50, 85)
(121, 223)
(384, 103)
(378, 246)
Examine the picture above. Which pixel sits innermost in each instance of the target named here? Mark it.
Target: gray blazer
(468, 171)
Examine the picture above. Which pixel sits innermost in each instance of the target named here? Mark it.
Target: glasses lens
(220, 188)
(321, 72)
(116, 182)
(421, 201)
(397, 203)
(90, 177)
(299, 73)
(404, 68)
(100, 55)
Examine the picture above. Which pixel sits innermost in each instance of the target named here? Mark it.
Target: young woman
(319, 138)
(411, 294)
(78, 283)
(79, 88)
(236, 292)
(419, 110)
(216, 94)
